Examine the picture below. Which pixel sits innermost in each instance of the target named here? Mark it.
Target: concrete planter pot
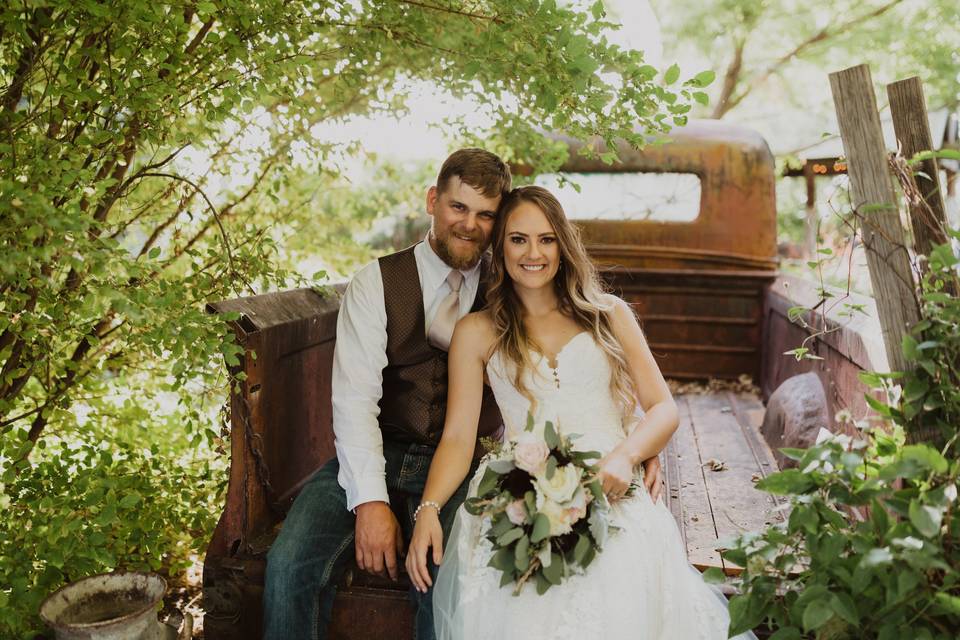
(111, 606)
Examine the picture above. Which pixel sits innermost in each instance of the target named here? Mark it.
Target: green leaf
(541, 528)
(714, 575)
(705, 78)
(927, 456)
(597, 10)
(925, 518)
(701, 97)
(130, 500)
(506, 578)
(501, 524)
(671, 75)
(580, 551)
(489, 482)
(502, 560)
(551, 467)
(910, 347)
(542, 583)
(948, 603)
(844, 606)
(521, 554)
(742, 615)
(792, 453)
(510, 536)
(790, 481)
(816, 614)
(550, 435)
(554, 573)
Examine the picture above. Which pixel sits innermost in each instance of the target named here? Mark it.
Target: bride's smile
(531, 252)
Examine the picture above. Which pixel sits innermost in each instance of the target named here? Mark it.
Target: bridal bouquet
(549, 516)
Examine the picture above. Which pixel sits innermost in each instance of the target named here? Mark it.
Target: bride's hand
(616, 474)
(427, 533)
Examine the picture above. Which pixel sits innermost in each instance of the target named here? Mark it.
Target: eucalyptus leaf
(541, 528)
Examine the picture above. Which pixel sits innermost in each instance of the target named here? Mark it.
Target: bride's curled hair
(579, 292)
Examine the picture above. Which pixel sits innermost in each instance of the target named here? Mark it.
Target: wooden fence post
(874, 202)
(909, 110)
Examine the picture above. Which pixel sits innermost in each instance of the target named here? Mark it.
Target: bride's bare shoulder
(478, 324)
(476, 330)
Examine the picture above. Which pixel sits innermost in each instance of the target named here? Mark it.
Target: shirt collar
(436, 270)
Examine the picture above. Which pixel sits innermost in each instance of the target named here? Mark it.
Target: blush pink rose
(530, 453)
(577, 507)
(517, 512)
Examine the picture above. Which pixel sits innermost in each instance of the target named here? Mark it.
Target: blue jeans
(316, 544)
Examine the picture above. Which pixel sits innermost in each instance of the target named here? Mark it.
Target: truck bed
(711, 465)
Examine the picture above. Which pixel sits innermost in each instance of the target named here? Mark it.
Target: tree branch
(28, 58)
(456, 12)
(216, 217)
(730, 80)
(824, 34)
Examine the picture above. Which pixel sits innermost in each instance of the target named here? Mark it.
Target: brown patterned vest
(414, 400)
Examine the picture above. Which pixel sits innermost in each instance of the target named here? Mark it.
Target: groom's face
(462, 222)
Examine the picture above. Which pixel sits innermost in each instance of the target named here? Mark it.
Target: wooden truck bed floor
(710, 467)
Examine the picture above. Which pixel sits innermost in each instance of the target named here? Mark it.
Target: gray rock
(795, 413)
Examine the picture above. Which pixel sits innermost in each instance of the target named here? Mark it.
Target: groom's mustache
(477, 236)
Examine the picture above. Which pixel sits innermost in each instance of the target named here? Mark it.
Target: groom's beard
(462, 259)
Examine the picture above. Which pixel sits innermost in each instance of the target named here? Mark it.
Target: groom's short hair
(482, 170)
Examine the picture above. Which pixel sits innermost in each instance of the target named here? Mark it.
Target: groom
(389, 401)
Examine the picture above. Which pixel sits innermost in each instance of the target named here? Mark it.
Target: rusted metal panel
(699, 323)
(687, 278)
(281, 434)
(736, 228)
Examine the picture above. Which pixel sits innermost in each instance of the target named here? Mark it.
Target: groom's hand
(652, 477)
(377, 538)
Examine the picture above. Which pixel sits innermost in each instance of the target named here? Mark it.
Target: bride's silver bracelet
(425, 503)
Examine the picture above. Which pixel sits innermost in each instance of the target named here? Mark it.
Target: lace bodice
(576, 394)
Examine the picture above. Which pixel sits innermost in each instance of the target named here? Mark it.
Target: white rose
(517, 512)
(530, 453)
(559, 517)
(564, 483)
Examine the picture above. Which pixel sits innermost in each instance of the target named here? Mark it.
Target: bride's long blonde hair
(579, 292)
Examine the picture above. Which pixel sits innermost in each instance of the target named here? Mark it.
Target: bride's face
(531, 251)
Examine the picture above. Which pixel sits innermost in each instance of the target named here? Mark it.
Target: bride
(553, 344)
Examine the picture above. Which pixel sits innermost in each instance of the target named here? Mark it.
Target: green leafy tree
(756, 42)
(152, 156)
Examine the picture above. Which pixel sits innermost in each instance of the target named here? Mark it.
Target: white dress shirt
(359, 357)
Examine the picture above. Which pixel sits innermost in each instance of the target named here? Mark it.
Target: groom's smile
(462, 222)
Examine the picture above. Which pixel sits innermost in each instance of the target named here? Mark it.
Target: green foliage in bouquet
(548, 514)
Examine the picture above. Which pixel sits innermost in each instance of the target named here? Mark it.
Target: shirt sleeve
(359, 356)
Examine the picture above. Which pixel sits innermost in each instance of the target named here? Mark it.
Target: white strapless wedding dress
(640, 587)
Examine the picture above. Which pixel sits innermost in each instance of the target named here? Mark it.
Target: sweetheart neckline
(556, 358)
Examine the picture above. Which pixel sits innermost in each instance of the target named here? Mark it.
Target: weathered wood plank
(737, 505)
(909, 110)
(692, 510)
(874, 201)
(749, 411)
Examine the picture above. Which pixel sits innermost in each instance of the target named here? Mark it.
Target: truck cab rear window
(657, 197)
